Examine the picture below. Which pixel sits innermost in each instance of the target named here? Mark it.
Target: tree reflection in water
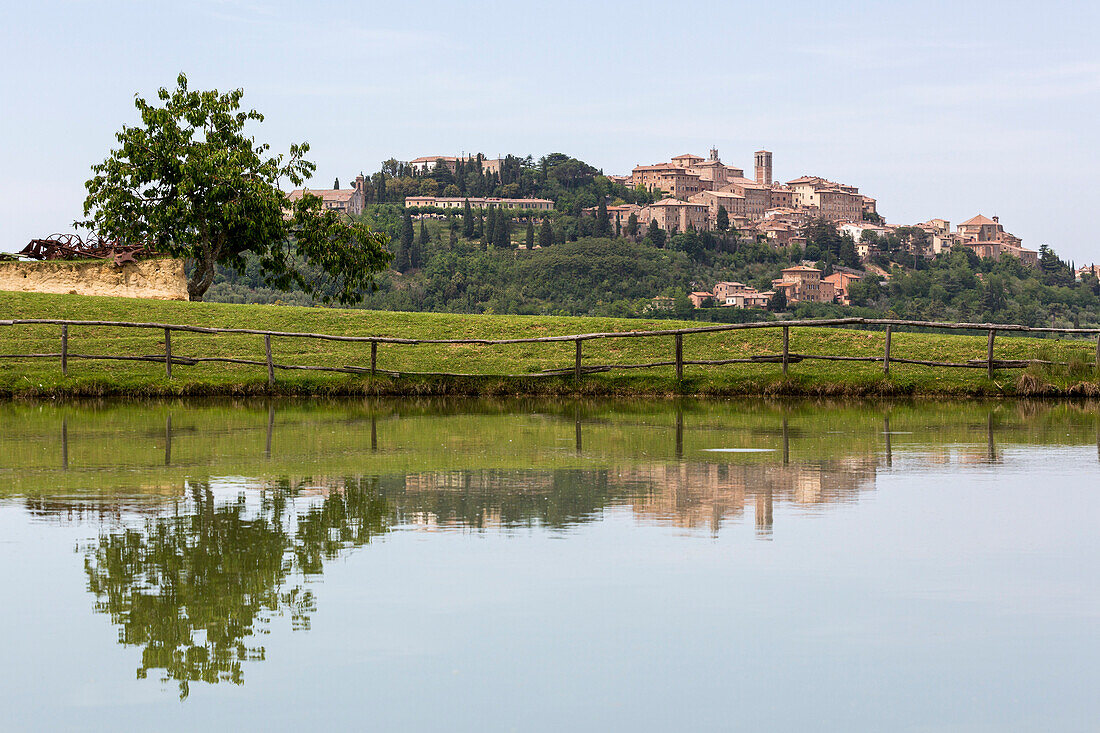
(194, 588)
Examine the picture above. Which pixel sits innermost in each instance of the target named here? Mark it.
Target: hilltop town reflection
(193, 567)
(195, 585)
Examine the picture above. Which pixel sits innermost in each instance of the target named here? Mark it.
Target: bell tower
(764, 167)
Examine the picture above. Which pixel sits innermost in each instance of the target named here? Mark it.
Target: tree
(778, 303)
(191, 183)
(336, 184)
(491, 227)
(423, 234)
(529, 237)
(632, 225)
(723, 222)
(603, 223)
(502, 233)
(655, 234)
(821, 235)
(467, 220)
(404, 250)
(682, 307)
(546, 233)
(380, 187)
(691, 243)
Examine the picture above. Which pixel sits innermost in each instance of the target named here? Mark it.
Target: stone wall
(161, 279)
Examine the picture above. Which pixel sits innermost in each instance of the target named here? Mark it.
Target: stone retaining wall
(160, 279)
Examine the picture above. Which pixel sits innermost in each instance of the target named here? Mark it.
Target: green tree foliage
(690, 243)
(502, 236)
(491, 226)
(191, 183)
(529, 236)
(379, 186)
(821, 237)
(467, 220)
(778, 303)
(632, 225)
(194, 587)
(546, 233)
(603, 223)
(405, 246)
(723, 219)
(655, 235)
(336, 184)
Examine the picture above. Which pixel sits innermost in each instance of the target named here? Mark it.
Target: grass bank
(43, 378)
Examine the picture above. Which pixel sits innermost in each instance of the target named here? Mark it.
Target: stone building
(345, 200)
(676, 216)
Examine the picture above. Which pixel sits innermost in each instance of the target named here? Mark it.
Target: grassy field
(43, 378)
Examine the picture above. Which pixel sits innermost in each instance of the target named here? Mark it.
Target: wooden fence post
(373, 358)
(577, 364)
(679, 357)
(65, 351)
(270, 363)
(786, 347)
(886, 354)
(989, 353)
(168, 352)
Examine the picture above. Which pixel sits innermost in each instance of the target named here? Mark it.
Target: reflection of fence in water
(786, 357)
(691, 493)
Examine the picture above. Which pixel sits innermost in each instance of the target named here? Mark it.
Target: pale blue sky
(937, 109)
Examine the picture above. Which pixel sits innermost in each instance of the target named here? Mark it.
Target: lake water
(550, 566)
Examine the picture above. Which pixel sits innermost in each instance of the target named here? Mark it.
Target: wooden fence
(786, 357)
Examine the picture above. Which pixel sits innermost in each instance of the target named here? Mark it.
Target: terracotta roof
(801, 268)
(326, 194)
(655, 167)
(688, 155)
(676, 202)
(978, 220)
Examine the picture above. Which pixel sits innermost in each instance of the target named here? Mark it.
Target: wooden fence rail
(786, 357)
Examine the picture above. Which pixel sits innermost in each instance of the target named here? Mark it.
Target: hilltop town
(752, 242)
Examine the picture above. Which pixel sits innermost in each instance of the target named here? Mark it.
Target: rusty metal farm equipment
(72, 247)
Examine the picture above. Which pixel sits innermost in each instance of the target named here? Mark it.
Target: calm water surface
(550, 566)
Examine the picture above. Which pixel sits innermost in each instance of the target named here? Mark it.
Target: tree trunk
(201, 278)
(203, 274)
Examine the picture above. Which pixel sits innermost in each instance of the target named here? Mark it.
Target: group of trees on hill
(571, 184)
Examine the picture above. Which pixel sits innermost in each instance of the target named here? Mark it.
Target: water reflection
(194, 587)
(193, 575)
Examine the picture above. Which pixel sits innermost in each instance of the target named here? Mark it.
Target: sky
(936, 109)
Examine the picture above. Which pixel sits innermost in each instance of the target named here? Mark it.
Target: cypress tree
(381, 188)
(423, 234)
(603, 224)
(546, 233)
(403, 260)
(529, 239)
(723, 222)
(336, 184)
(502, 237)
(632, 224)
(467, 220)
(491, 226)
(655, 234)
